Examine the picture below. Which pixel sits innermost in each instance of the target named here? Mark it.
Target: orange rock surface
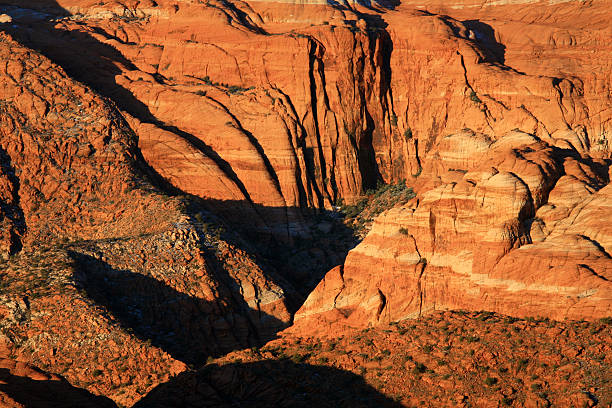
(343, 98)
(493, 235)
(22, 385)
(171, 175)
(102, 273)
(449, 359)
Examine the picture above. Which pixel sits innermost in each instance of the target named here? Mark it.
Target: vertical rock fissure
(382, 303)
(312, 59)
(420, 287)
(343, 285)
(292, 134)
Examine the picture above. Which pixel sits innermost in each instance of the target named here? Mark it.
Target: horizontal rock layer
(294, 105)
(495, 235)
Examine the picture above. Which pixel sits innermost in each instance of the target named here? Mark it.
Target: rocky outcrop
(102, 271)
(493, 235)
(140, 139)
(23, 385)
(446, 359)
(306, 104)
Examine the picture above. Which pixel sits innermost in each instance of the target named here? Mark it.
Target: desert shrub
(374, 202)
(490, 381)
(393, 120)
(474, 97)
(408, 134)
(419, 368)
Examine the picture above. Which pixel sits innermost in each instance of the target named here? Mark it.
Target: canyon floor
(231, 203)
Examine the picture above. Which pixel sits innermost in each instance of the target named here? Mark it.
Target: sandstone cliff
(306, 104)
(101, 270)
(171, 174)
(494, 235)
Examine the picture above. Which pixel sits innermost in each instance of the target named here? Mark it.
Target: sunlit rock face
(152, 152)
(495, 234)
(291, 105)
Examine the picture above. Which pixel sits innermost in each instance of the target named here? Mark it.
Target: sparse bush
(474, 97)
(393, 119)
(299, 358)
(419, 368)
(408, 134)
(491, 381)
(536, 387)
(384, 197)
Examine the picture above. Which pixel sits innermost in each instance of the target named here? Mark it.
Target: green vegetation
(474, 97)
(408, 134)
(490, 381)
(374, 202)
(232, 89)
(522, 364)
(393, 119)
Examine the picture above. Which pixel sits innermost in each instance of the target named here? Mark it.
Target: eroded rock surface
(103, 273)
(308, 103)
(493, 233)
(171, 170)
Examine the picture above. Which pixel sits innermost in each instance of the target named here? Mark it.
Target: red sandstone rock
(492, 235)
(498, 116)
(90, 243)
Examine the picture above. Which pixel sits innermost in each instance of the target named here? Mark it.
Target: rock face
(102, 273)
(495, 234)
(449, 359)
(306, 104)
(156, 155)
(23, 385)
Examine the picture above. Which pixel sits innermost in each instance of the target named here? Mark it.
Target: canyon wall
(156, 155)
(289, 106)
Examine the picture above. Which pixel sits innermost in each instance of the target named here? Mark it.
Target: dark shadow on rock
(33, 393)
(279, 234)
(96, 64)
(301, 245)
(375, 5)
(485, 35)
(11, 209)
(269, 383)
(190, 329)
